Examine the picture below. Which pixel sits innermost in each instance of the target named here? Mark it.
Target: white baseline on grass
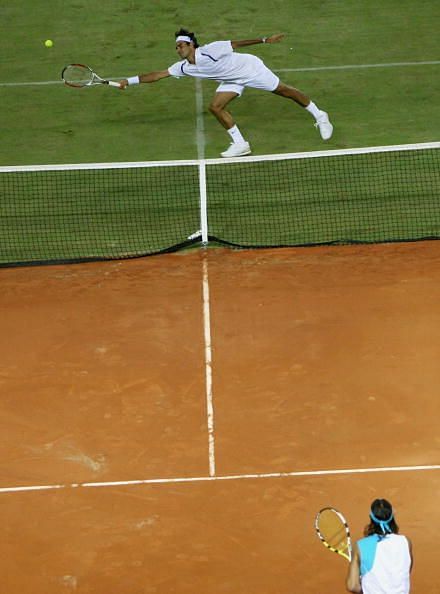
(304, 69)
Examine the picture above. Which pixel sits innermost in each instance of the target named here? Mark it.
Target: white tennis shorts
(261, 78)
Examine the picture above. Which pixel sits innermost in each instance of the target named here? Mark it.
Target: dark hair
(382, 510)
(188, 34)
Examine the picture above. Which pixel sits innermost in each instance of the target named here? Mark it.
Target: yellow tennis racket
(333, 531)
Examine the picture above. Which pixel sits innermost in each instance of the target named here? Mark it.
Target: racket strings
(333, 531)
(77, 75)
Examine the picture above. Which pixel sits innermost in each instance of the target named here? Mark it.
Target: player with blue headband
(382, 561)
(384, 524)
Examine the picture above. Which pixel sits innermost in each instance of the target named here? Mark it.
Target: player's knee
(215, 109)
(282, 90)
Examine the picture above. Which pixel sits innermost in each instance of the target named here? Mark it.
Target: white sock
(236, 136)
(314, 110)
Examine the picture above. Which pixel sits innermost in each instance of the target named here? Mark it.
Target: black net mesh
(372, 197)
(78, 215)
(85, 214)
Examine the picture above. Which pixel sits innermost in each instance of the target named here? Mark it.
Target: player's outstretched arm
(271, 39)
(150, 77)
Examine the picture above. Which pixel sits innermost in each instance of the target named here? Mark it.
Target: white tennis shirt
(218, 61)
(385, 565)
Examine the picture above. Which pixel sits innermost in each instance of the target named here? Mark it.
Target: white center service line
(208, 365)
(200, 122)
(232, 477)
(200, 141)
(305, 69)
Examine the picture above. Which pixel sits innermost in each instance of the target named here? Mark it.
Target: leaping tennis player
(234, 71)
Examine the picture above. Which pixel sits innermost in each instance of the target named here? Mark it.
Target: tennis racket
(80, 75)
(333, 531)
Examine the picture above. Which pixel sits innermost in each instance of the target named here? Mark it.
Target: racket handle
(114, 84)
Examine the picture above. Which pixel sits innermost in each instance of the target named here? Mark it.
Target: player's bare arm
(353, 582)
(410, 554)
(271, 39)
(150, 77)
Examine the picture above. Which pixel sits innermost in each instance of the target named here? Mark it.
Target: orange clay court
(162, 478)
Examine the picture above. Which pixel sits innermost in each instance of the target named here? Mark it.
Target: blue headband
(383, 523)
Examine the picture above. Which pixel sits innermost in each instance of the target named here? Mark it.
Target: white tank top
(391, 562)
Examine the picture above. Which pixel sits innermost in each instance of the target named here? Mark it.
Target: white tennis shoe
(237, 150)
(324, 125)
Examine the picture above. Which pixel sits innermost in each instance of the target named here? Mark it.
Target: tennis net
(72, 213)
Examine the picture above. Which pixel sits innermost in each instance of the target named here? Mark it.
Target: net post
(203, 201)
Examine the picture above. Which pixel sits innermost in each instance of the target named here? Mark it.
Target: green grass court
(369, 106)
(374, 66)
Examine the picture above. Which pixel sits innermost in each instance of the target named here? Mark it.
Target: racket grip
(112, 83)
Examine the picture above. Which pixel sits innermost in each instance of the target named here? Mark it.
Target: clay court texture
(172, 424)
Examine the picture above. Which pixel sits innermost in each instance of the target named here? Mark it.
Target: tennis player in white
(234, 71)
(382, 561)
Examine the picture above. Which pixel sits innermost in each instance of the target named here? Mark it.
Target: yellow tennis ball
(48, 43)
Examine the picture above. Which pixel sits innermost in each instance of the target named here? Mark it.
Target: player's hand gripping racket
(333, 531)
(79, 75)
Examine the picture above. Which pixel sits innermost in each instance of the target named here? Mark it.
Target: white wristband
(263, 39)
(133, 80)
